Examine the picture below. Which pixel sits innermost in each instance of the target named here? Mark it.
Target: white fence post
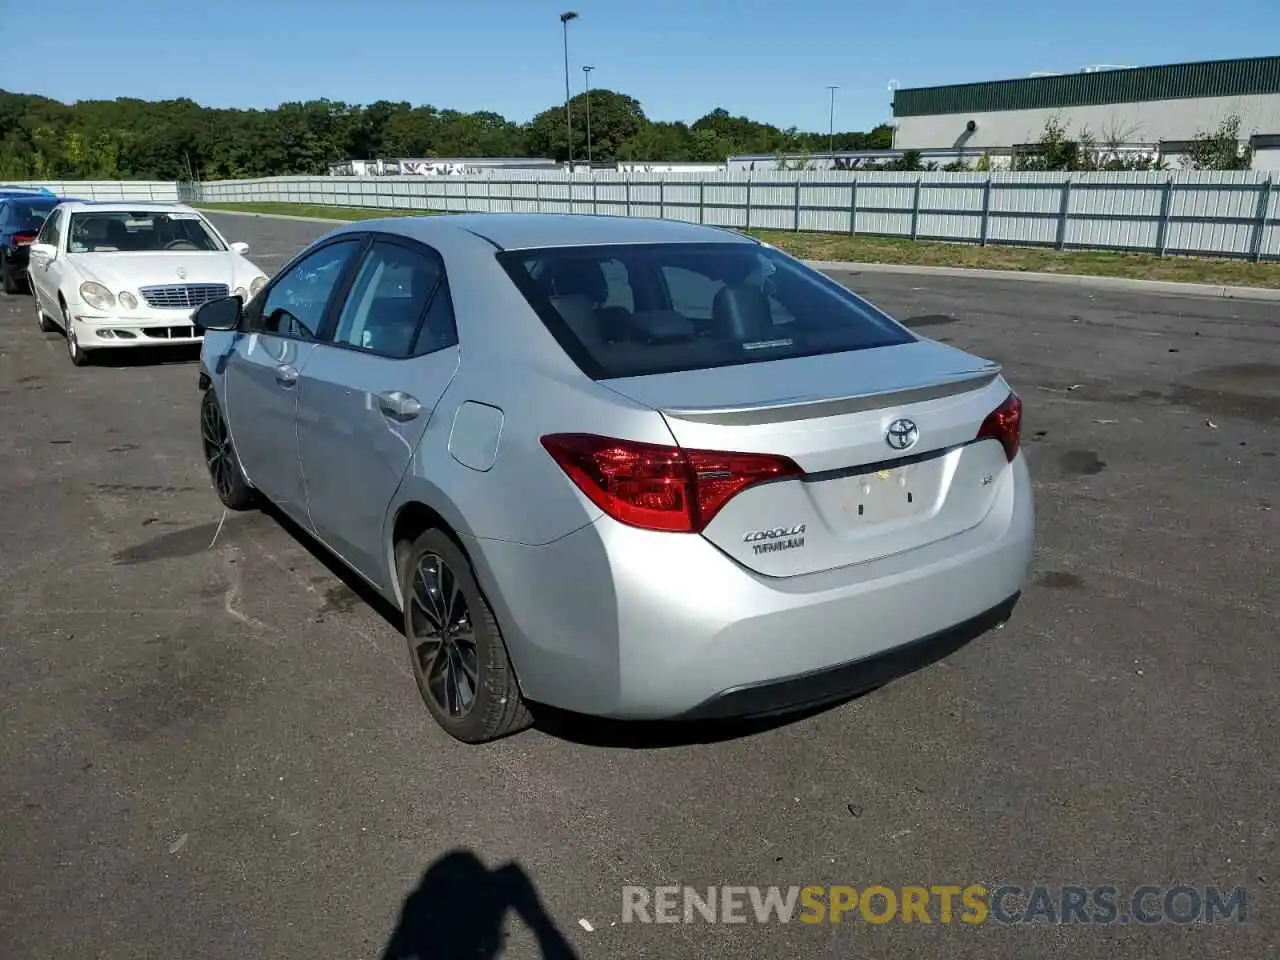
(1260, 226)
(986, 210)
(915, 210)
(1064, 214)
(1162, 233)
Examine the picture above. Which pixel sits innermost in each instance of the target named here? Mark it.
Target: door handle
(398, 405)
(286, 375)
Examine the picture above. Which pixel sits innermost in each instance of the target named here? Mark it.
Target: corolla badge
(777, 538)
(902, 434)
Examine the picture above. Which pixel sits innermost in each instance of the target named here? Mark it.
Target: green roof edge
(1214, 78)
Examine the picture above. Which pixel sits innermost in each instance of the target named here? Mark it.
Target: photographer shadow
(459, 908)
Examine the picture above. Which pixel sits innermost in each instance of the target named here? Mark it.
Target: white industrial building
(1149, 109)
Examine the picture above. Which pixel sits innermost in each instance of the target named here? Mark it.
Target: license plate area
(889, 494)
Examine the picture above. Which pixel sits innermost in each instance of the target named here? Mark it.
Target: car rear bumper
(849, 679)
(627, 623)
(97, 333)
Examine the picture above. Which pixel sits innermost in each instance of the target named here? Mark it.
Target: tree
(1220, 150)
(179, 139)
(615, 119)
(1055, 150)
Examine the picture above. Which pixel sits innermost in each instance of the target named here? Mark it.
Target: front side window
(624, 311)
(141, 231)
(294, 306)
(389, 301)
(50, 230)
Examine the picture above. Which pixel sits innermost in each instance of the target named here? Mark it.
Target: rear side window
(626, 311)
(29, 217)
(390, 303)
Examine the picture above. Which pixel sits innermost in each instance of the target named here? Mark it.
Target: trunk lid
(861, 498)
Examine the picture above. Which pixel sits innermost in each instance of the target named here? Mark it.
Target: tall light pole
(586, 87)
(568, 111)
(831, 120)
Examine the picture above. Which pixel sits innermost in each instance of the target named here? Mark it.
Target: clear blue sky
(769, 59)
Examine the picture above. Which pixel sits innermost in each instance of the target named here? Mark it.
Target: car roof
(525, 231)
(48, 198)
(124, 206)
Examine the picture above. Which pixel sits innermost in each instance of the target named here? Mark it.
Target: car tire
(439, 588)
(221, 459)
(78, 354)
(42, 320)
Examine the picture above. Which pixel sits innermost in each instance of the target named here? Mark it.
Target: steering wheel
(180, 245)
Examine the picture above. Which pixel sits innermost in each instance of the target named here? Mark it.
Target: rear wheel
(220, 457)
(456, 649)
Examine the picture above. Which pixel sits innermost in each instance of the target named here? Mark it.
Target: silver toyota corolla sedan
(630, 468)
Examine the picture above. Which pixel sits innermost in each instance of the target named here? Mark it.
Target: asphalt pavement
(213, 746)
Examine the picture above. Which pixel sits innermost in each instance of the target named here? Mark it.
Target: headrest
(742, 313)
(575, 276)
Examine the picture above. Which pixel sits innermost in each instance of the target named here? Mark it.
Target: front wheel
(458, 656)
(79, 356)
(220, 457)
(42, 319)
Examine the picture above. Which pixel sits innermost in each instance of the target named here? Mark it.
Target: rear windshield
(636, 310)
(29, 215)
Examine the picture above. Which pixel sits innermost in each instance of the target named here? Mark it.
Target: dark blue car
(22, 213)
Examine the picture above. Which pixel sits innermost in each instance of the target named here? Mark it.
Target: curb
(271, 216)
(1125, 284)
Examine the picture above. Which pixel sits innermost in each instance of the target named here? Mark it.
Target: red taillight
(23, 239)
(657, 487)
(1004, 423)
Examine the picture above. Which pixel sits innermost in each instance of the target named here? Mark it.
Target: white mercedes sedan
(131, 274)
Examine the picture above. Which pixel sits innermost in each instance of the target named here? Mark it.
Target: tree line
(42, 138)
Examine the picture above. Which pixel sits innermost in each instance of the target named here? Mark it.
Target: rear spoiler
(809, 408)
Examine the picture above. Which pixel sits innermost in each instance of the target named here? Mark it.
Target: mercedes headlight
(97, 296)
(258, 284)
(239, 292)
(127, 300)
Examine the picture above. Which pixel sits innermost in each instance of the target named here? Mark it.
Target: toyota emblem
(902, 434)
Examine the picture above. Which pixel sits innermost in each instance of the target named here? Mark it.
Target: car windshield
(138, 231)
(29, 215)
(636, 310)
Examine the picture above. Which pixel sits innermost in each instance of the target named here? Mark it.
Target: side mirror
(221, 314)
(240, 247)
(42, 251)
